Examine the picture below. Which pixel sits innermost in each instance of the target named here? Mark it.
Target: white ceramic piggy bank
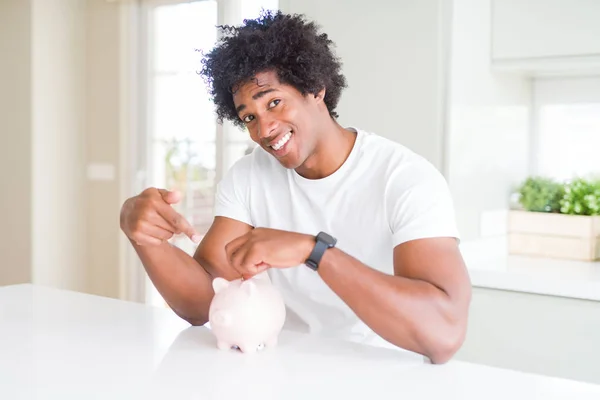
(247, 314)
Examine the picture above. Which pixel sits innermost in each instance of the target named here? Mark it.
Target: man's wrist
(308, 246)
(327, 260)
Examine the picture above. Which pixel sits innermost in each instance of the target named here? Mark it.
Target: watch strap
(317, 253)
(323, 241)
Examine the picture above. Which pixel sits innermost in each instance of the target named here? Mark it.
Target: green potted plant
(556, 219)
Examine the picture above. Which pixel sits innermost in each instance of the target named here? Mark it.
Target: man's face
(279, 118)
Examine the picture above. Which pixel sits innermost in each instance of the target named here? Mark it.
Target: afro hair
(287, 44)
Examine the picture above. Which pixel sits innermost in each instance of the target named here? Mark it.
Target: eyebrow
(255, 96)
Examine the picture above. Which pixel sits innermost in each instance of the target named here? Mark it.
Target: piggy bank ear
(219, 284)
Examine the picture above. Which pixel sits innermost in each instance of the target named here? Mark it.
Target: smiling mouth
(281, 142)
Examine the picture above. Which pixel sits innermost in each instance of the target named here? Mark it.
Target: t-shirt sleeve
(232, 199)
(419, 204)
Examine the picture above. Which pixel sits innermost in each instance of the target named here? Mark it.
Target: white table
(63, 345)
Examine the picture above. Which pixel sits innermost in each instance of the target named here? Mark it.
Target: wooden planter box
(573, 237)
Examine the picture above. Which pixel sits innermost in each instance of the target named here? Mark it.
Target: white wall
(488, 121)
(393, 54)
(58, 133)
(15, 136)
(41, 167)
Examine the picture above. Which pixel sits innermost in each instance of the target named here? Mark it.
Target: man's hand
(263, 248)
(148, 218)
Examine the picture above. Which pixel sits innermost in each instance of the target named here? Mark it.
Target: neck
(331, 151)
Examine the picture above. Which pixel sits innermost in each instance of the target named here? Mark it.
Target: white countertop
(63, 345)
(490, 266)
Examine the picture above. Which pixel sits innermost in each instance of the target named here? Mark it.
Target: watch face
(326, 238)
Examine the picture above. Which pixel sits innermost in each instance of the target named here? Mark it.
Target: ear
(219, 284)
(320, 96)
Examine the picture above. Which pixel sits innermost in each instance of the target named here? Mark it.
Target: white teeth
(282, 141)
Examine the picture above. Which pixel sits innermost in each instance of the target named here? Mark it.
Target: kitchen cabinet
(555, 36)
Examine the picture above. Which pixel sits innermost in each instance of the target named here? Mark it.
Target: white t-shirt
(383, 195)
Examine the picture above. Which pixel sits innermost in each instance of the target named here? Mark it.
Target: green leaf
(540, 194)
(581, 197)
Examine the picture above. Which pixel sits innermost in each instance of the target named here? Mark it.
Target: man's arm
(181, 281)
(184, 282)
(423, 307)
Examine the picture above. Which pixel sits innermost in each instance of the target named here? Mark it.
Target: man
(356, 231)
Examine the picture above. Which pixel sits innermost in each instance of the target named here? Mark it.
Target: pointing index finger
(178, 222)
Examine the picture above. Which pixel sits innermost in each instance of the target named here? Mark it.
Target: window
(180, 144)
(567, 127)
(181, 127)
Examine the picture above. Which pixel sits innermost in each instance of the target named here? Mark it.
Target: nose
(267, 127)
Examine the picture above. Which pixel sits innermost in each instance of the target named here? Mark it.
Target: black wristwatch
(324, 241)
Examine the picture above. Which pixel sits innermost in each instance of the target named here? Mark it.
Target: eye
(274, 103)
(248, 118)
